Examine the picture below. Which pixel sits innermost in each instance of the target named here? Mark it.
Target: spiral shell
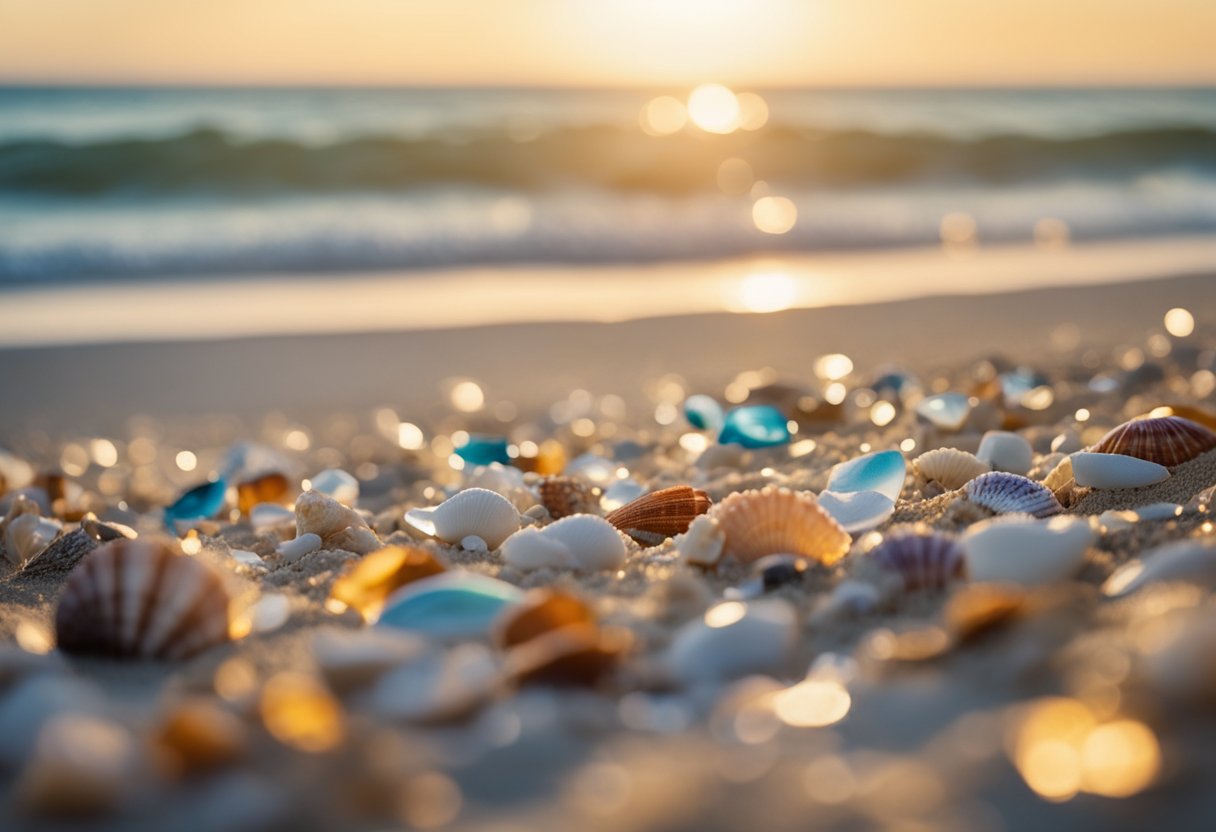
(775, 520)
(141, 599)
(949, 467)
(563, 496)
(654, 517)
(924, 560)
(474, 511)
(1165, 440)
(1007, 493)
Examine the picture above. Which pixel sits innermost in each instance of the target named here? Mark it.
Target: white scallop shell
(734, 639)
(1188, 561)
(1006, 451)
(857, 511)
(474, 511)
(28, 535)
(1116, 471)
(950, 467)
(581, 541)
(1026, 551)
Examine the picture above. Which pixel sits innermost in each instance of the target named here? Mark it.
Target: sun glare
(765, 292)
(714, 108)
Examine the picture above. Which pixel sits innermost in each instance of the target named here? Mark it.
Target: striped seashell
(141, 599)
(776, 520)
(653, 518)
(949, 467)
(563, 496)
(474, 511)
(1165, 440)
(922, 559)
(1007, 493)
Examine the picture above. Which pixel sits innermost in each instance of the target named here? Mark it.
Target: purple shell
(1007, 493)
(924, 561)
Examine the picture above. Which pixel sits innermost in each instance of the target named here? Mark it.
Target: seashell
(501, 479)
(1165, 440)
(858, 511)
(530, 549)
(661, 514)
(1115, 471)
(922, 559)
(319, 514)
(358, 539)
(949, 467)
(141, 599)
(34, 698)
(850, 599)
(268, 488)
(337, 485)
(703, 412)
(779, 521)
(354, 659)
(582, 541)
(473, 543)
(61, 555)
(702, 544)
(563, 496)
(1026, 552)
(1190, 561)
(81, 766)
(1198, 415)
(947, 411)
(106, 531)
(477, 511)
(372, 579)
(27, 536)
(299, 546)
(440, 686)
(578, 654)
(1007, 493)
(197, 736)
(754, 426)
(1006, 451)
(452, 605)
(1060, 476)
(202, 502)
(882, 471)
(734, 639)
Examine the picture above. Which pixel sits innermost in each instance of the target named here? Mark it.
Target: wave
(211, 161)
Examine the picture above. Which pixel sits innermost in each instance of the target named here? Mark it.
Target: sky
(609, 42)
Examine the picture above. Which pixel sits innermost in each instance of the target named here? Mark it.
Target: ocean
(100, 185)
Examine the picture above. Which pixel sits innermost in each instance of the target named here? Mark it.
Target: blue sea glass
(452, 605)
(703, 412)
(199, 503)
(882, 471)
(755, 426)
(947, 411)
(482, 450)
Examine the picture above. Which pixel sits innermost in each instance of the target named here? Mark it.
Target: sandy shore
(917, 714)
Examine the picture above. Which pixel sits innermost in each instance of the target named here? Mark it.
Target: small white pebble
(292, 550)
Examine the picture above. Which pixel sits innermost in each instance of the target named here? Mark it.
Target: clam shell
(474, 511)
(141, 599)
(1025, 551)
(923, 560)
(563, 496)
(530, 549)
(1190, 561)
(949, 467)
(857, 511)
(661, 514)
(592, 543)
(1006, 451)
(1165, 440)
(1115, 471)
(1010, 493)
(776, 520)
(27, 536)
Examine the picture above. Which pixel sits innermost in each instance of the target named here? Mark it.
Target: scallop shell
(949, 467)
(776, 520)
(141, 599)
(582, 541)
(653, 518)
(474, 511)
(1010, 493)
(924, 560)
(1165, 440)
(563, 496)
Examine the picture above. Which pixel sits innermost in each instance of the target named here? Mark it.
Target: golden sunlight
(714, 108)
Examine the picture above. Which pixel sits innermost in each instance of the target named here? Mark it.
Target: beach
(938, 707)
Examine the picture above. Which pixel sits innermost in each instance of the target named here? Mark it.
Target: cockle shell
(949, 467)
(582, 541)
(1165, 440)
(1116, 471)
(1010, 493)
(338, 526)
(776, 520)
(563, 496)
(474, 511)
(1192, 561)
(141, 599)
(1006, 451)
(653, 518)
(923, 560)
(1026, 551)
(27, 536)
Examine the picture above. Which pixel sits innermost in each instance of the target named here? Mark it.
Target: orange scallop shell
(1165, 440)
(775, 520)
(662, 514)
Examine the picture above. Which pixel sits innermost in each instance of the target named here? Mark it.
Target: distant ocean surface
(100, 184)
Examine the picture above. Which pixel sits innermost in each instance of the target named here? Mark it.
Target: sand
(930, 734)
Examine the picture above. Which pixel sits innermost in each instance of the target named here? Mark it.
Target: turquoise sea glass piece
(452, 605)
(882, 471)
(755, 426)
(483, 450)
(199, 503)
(947, 411)
(703, 412)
